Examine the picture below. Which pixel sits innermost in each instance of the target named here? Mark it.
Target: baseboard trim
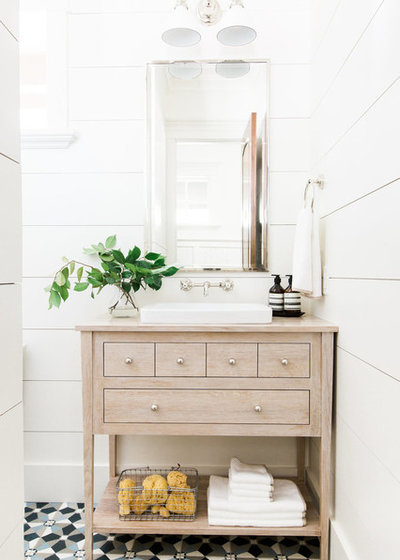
(339, 546)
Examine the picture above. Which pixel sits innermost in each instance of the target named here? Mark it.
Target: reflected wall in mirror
(208, 163)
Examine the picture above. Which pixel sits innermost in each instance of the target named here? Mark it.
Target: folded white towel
(257, 517)
(249, 474)
(221, 520)
(306, 267)
(256, 490)
(245, 497)
(287, 499)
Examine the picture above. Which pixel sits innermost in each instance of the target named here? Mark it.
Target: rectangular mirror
(208, 163)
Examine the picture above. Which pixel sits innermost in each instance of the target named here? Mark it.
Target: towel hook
(319, 181)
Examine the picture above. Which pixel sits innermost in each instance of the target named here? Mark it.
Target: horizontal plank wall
(95, 187)
(355, 130)
(11, 423)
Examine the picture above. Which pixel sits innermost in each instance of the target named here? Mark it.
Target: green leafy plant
(128, 273)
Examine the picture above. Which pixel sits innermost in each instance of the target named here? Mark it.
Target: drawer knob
(232, 361)
(128, 360)
(154, 407)
(180, 361)
(284, 362)
(257, 408)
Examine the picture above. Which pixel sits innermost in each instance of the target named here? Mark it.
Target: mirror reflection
(208, 174)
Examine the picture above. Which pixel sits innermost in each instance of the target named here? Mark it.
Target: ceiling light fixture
(182, 30)
(235, 32)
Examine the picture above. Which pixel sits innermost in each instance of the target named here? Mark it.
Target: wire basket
(152, 499)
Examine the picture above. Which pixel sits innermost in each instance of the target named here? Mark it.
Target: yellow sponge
(124, 510)
(177, 479)
(155, 489)
(126, 493)
(181, 502)
(164, 512)
(139, 505)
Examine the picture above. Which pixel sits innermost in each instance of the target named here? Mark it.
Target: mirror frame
(263, 174)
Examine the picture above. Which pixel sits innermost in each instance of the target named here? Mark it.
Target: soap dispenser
(276, 294)
(291, 298)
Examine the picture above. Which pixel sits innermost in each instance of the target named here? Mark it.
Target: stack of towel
(249, 482)
(235, 500)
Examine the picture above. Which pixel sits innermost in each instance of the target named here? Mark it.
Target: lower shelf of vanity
(106, 519)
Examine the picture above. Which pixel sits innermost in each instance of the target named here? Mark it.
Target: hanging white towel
(242, 473)
(306, 268)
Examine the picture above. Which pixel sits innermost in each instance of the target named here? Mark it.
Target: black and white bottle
(276, 294)
(291, 298)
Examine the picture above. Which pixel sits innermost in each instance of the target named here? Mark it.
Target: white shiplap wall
(11, 464)
(355, 130)
(79, 195)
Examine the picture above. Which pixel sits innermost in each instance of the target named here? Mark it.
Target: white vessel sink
(206, 313)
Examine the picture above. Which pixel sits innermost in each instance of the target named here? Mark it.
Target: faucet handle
(186, 285)
(227, 285)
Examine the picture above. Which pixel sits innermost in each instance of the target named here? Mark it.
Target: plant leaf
(72, 267)
(54, 299)
(65, 259)
(111, 241)
(144, 271)
(154, 282)
(133, 255)
(79, 273)
(159, 262)
(64, 293)
(152, 256)
(81, 286)
(170, 271)
(106, 257)
(47, 288)
(60, 278)
(118, 256)
(90, 251)
(126, 287)
(130, 266)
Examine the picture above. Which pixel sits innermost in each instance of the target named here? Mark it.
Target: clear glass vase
(124, 306)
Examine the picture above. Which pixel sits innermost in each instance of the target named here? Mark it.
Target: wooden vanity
(221, 380)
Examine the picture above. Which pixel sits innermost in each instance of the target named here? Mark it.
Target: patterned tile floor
(55, 531)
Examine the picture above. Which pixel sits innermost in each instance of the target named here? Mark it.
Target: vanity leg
(301, 458)
(325, 452)
(89, 480)
(112, 453)
(88, 438)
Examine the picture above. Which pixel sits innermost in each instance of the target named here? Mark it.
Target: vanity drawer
(204, 406)
(180, 359)
(128, 359)
(284, 360)
(231, 360)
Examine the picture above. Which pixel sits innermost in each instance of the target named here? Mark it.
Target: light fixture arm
(209, 11)
(183, 3)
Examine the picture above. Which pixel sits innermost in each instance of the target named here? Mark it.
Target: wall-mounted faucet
(187, 285)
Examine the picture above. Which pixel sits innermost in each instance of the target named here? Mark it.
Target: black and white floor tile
(55, 531)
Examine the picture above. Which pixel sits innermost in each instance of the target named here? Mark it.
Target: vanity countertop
(306, 324)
